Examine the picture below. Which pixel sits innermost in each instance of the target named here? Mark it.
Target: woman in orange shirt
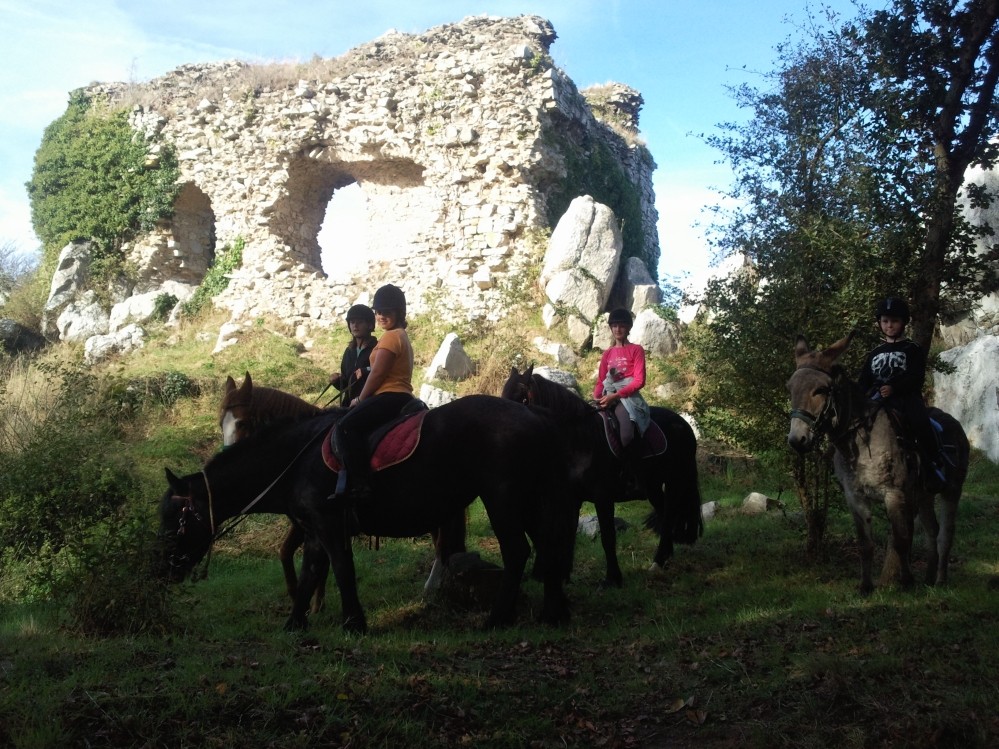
(388, 389)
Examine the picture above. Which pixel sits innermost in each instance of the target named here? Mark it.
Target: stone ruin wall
(449, 135)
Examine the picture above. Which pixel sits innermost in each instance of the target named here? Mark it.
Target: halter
(818, 424)
(188, 509)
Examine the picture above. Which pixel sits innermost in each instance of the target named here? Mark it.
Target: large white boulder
(100, 347)
(581, 263)
(450, 362)
(82, 318)
(659, 337)
(971, 393)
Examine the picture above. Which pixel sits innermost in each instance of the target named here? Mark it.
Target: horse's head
(518, 386)
(812, 388)
(186, 531)
(234, 413)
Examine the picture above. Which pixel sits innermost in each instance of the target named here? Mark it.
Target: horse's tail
(683, 493)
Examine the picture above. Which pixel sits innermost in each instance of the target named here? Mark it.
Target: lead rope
(242, 514)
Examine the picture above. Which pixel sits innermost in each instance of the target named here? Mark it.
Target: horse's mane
(277, 438)
(271, 404)
(555, 397)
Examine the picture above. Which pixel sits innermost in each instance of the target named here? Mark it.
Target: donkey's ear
(529, 371)
(230, 384)
(835, 350)
(247, 382)
(801, 347)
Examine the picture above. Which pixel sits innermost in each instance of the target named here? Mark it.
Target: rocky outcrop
(580, 266)
(971, 392)
(465, 141)
(17, 339)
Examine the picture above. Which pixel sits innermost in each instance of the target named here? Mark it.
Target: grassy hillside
(744, 642)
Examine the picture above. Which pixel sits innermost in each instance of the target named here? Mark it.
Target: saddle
(916, 454)
(652, 443)
(389, 444)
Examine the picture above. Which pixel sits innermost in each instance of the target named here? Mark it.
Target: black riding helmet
(620, 316)
(361, 312)
(389, 297)
(892, 307)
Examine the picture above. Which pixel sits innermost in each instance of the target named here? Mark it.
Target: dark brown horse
(668, 480)
(245, 410)
(476, 446)
(873, 463)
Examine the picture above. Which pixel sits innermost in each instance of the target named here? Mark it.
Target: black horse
(668, 480)
(477, 446)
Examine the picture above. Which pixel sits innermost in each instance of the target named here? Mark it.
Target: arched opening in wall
(343, 236)
(194, 231)
(337, 216)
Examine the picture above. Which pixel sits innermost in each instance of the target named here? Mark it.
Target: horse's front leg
(514, 549)
(286, 552)
(865, 541)
(608, 539)
(449, 539)
(341, 556)
(315, 565)
(901, 521)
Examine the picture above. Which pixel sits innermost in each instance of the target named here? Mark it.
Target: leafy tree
(15, 269)
(935, 64)
(93, 179)
(848, 179)
(847, 183)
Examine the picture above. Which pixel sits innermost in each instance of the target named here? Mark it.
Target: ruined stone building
(466, 143)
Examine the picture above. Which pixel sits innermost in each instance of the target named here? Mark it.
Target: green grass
(742, 643)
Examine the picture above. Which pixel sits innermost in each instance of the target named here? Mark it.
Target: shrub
(93, 179)
(109, 581)
(163, 305)
(216, 279)
(66, 474)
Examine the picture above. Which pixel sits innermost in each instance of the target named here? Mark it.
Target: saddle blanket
(652, 443)
(394, 446)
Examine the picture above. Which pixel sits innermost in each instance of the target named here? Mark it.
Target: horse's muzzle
(801, 438)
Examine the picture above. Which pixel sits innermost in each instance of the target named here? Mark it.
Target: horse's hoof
(555, 619)
(295, 625)
(355, 626)
(498, 622)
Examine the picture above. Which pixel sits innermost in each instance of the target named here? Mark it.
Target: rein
(833, 410)
(240, 516)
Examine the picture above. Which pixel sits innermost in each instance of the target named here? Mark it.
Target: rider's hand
(335, 378)
(608, 400)
(886, 391)
(355, 402)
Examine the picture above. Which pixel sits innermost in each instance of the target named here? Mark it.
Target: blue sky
(680, 54)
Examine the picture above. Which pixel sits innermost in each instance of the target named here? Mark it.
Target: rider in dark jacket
(356, 363)
(895, 371)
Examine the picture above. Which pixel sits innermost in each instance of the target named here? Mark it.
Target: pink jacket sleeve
(598, 388)
(636, 355)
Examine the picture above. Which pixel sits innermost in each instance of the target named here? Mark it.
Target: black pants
(913, 410)
(352, 430)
